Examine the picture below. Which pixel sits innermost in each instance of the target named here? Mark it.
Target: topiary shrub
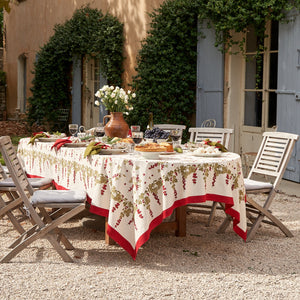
(166, 69)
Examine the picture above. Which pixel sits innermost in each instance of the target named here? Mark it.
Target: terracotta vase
(116, 126)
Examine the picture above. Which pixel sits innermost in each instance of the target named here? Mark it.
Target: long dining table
(136, 194)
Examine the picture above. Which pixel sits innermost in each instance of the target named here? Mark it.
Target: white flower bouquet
(115, 99)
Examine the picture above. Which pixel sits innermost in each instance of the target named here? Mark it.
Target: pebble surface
(202, 265)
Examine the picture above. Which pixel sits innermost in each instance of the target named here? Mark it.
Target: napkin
(94, 148)
(216, 144)
(60, 142)
(36, 136)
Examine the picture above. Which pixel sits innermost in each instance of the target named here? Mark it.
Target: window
(260, 98)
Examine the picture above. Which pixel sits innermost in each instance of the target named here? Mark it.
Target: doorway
(92, 114)
(259, 98)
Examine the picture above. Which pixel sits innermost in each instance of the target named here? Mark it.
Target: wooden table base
(179, 225)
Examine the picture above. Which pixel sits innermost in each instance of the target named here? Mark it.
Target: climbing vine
(166, 65)
(89, 32)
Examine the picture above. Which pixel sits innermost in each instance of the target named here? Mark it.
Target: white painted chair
(271, 160)
(47, 225)
(199, 134)
(169, 127)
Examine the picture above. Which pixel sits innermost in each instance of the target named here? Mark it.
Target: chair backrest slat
(273, 155)
(19, 177)
(169, 127)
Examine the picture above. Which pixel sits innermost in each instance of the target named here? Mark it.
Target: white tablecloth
(137, 194)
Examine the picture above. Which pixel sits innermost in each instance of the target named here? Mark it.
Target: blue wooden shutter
(76, 91)
(210, 78)
(288, 90)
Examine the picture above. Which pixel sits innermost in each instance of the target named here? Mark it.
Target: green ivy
(89, 32)
(166, 69)
(166, 65)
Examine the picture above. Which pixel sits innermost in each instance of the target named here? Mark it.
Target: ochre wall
(30, 24)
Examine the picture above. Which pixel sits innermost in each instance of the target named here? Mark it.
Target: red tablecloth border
(228, 201)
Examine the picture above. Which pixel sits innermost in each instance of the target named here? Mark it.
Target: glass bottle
(150, 123)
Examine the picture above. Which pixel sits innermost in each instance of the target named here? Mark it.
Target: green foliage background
(89, 32)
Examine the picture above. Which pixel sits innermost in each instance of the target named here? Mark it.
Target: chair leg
(212, 214)
(265, 213)
(225, 224)
(61, 237)
(48, 232)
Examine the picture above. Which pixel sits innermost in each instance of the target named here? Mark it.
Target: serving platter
(47, 140)
(150, 155)
(75, 145)
(168, 153)
(207, 154)
(112, 151)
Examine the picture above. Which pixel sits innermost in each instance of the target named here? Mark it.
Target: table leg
(108, 239)
(181, 221)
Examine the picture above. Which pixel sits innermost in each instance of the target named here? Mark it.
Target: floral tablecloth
(136, 194)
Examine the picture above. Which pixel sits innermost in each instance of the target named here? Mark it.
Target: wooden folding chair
(271, 160)
(199, 134)
(47, 225)
(9, 200)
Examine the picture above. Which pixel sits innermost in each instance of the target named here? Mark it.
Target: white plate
(207, 154)
(112, 151)
(150, 155)
(75, 145)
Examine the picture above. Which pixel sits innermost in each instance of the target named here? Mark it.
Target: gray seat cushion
(58, 196)
(256, 185)
(35, 182)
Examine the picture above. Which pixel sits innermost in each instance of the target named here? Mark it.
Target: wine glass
(175, 135)
(73, 128)
(99, 130)
(135, 128)
(137, 136)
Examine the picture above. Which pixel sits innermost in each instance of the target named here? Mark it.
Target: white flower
(116, 102)
(133, 95)
(113, 95)
(97, 103)
(112, 88)
(128, 92)
(98, 94)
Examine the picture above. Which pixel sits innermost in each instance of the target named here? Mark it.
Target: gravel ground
(203, 265)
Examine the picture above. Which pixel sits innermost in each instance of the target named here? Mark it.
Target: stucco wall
(30, 24)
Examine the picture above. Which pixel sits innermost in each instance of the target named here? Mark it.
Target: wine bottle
(150, 123)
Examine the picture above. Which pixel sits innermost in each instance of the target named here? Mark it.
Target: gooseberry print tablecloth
(137, 194)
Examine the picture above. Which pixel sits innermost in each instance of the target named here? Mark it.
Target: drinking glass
(99, 130)
(175, 135)
(135, 128)
(73, 128)
(137, 136)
